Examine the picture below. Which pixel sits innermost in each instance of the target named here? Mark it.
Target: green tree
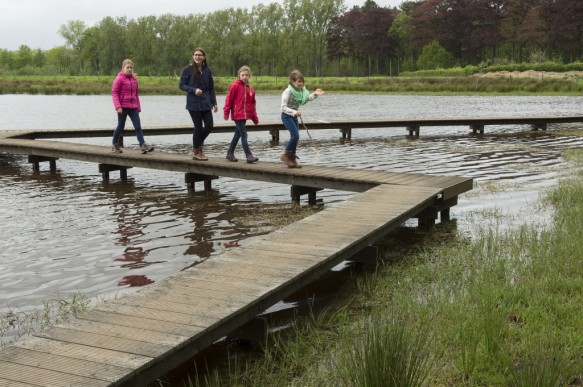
(266, 39)
(59, 58)
(90, 51)
(399, 32)
(23, 57)
(112, 43)
(73, 32)
(7, 60)
(318, 16)
(434, 56)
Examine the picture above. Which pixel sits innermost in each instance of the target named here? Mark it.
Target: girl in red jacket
(240, 105)
(126, 102)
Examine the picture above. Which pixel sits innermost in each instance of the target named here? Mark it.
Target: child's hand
(298, 113)
(319, 92)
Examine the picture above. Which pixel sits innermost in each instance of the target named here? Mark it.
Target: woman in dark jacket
(197, 81)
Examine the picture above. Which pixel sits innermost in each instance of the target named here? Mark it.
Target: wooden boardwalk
(412, 126)
(140, 337)
(353, 180)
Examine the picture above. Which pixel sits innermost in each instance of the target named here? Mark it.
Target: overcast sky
(36, 23)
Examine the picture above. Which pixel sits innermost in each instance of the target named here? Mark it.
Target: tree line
(320, 37)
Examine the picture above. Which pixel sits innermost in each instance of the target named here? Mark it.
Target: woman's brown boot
(201, 155)
(196, 154)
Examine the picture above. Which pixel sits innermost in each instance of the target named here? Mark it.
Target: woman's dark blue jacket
(205, 82)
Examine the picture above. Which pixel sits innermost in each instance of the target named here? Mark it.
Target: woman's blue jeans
(240, 133)
(292, 125)
(121, 124)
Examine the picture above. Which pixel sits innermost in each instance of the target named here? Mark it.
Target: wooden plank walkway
(137, 338)
(140, 337)
(353, 180)
(476, 124)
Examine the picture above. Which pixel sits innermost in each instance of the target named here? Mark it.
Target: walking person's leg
(121, 123)
(197, 134)
(243, 133)
(135, 117)
(233, 144)
(207, 118)
(292, 125)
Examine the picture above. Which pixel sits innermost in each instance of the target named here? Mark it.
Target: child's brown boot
(286, 157)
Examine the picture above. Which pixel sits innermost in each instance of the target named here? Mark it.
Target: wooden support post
(104, 169)
(413, 130)
(298, 190)
(542, 126)
(191, 178)
(477, 128)
(274, 135)
(254, 330)
(366, 255)
(36, 160)
(346, 133)
(444, 215)
(427, 217)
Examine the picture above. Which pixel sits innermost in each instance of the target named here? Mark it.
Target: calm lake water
(69, 232)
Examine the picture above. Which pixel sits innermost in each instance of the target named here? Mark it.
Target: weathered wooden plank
(12, 383)
(83, 352)
(141, 323)
(156, 315)
(64, 364)
(43, 377)
(120, 331)
(118, 344)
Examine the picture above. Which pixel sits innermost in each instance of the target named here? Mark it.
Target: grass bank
(501, 309)
(101, 85)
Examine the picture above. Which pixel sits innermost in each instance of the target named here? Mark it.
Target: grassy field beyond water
(99, 85)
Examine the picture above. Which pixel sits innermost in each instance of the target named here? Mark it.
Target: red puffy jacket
(240, 102)
(124, 92)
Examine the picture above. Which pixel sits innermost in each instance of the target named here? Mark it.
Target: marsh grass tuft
(383, 351)
(18, 323)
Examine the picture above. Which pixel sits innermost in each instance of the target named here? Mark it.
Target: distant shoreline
(500, 82)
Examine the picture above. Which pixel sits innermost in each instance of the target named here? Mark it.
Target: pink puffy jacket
(124, 92)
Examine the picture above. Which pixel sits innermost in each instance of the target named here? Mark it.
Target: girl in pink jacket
(240, 105)
(126, 102)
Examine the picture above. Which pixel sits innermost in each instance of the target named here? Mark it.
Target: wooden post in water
(191, 178)
(540, 125)
(297, 190)
(413, 130)
(36, 160)
(477, 128)
(104, 169)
